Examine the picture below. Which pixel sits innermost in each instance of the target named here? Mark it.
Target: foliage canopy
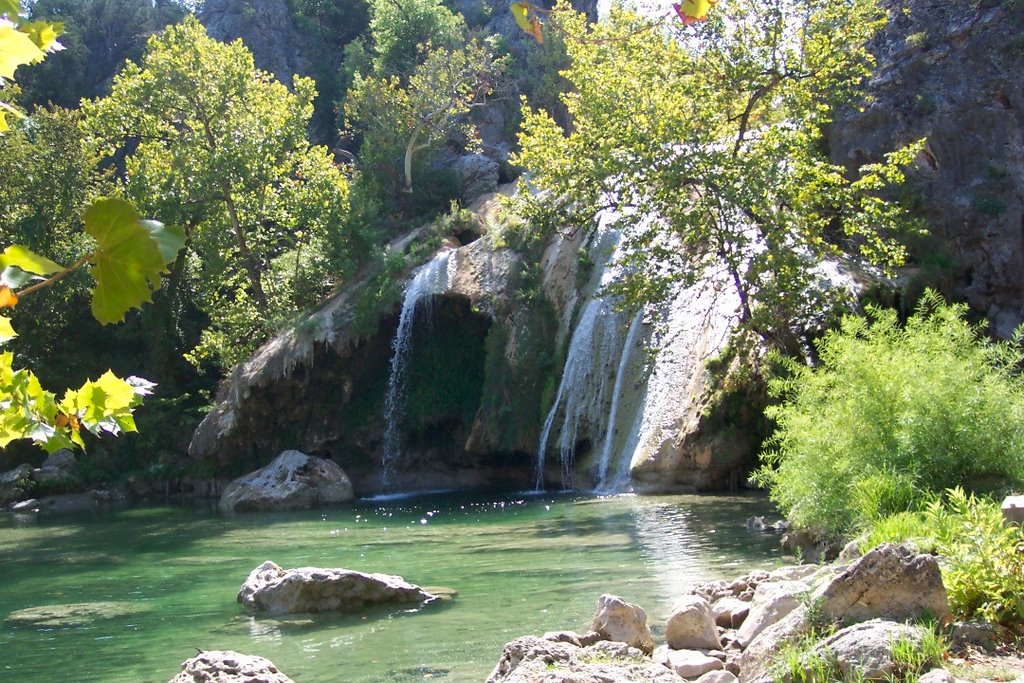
(716, 130)
(220, 148)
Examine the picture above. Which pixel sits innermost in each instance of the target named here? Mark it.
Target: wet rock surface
(226, 666)
(275, 590)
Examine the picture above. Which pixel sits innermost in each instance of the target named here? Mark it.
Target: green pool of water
(159, 582)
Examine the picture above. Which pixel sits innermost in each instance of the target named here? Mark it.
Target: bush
(893, 416)
(983, 557)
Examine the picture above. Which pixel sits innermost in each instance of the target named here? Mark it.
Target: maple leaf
(131, 255)
(692, 11)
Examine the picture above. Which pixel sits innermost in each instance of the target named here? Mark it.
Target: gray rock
(936, 676)
(293, 481)
(13, 483)
(758, 655)
(691, 625)
(866, 648)
(687, 663)
(272, 589)
(477, 175)
(62, 460)
(72, 502)
(265, 27)
(616, 619)
(772, 601)
(30, 505)
(889, 581)
(225, 666)
(1013, 509)
(718, 677)
(729, 612)
(980, 634)
(535, 660)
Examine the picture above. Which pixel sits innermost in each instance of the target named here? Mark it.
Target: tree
(220, 148)
(708, 143)
(398, 120)
(99, 36)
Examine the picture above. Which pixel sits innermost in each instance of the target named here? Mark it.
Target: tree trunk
(251, 266)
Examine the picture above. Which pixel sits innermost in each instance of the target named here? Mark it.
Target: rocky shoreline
(862, 618)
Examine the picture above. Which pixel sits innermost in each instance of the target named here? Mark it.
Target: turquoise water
(521, 564)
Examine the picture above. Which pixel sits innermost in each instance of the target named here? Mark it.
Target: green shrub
(983, 557)
(912, 659)
(893, 416)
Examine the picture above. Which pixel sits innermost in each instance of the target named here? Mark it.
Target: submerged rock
(275, 590)
(74, 614)
(225, 666)
(293, 481)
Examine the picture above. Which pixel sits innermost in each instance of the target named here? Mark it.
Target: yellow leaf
(521, 12)
(16, 49)
(692, 11)
(7, 332)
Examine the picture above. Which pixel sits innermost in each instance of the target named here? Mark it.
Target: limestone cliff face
(267, 29)
(510, 358)
(953, 73)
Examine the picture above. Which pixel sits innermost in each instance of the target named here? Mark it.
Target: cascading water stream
(604, 463)
(432, 278)
(594, 348)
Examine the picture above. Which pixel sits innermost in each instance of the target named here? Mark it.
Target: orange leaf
(8, 299)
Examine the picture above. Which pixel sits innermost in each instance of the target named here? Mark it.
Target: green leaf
(7, 332)
(27, 260)
(12, 8)
(43, 34)
(16, 49)
(128, 260)
(169, 239)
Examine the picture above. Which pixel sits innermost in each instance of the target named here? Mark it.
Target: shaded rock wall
(267, 29)
(953, 72)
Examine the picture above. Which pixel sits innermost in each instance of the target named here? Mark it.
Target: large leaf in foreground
(129, 258)
(16, 48)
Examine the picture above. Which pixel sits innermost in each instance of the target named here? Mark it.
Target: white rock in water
(272, 589)
(225, 666)
(293, 481)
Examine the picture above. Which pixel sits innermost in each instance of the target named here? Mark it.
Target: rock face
(890, 581)
(266, 28)
(623, 622)
(478, 396)
(274, 590)
(950, 72)
(225, 666)
(293, 481)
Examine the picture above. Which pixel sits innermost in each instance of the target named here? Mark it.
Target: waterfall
(432, 278)
(595, 348)
(613, 415)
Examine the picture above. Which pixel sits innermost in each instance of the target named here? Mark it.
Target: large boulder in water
(293, 481)
(225, 666)
(272, 589)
